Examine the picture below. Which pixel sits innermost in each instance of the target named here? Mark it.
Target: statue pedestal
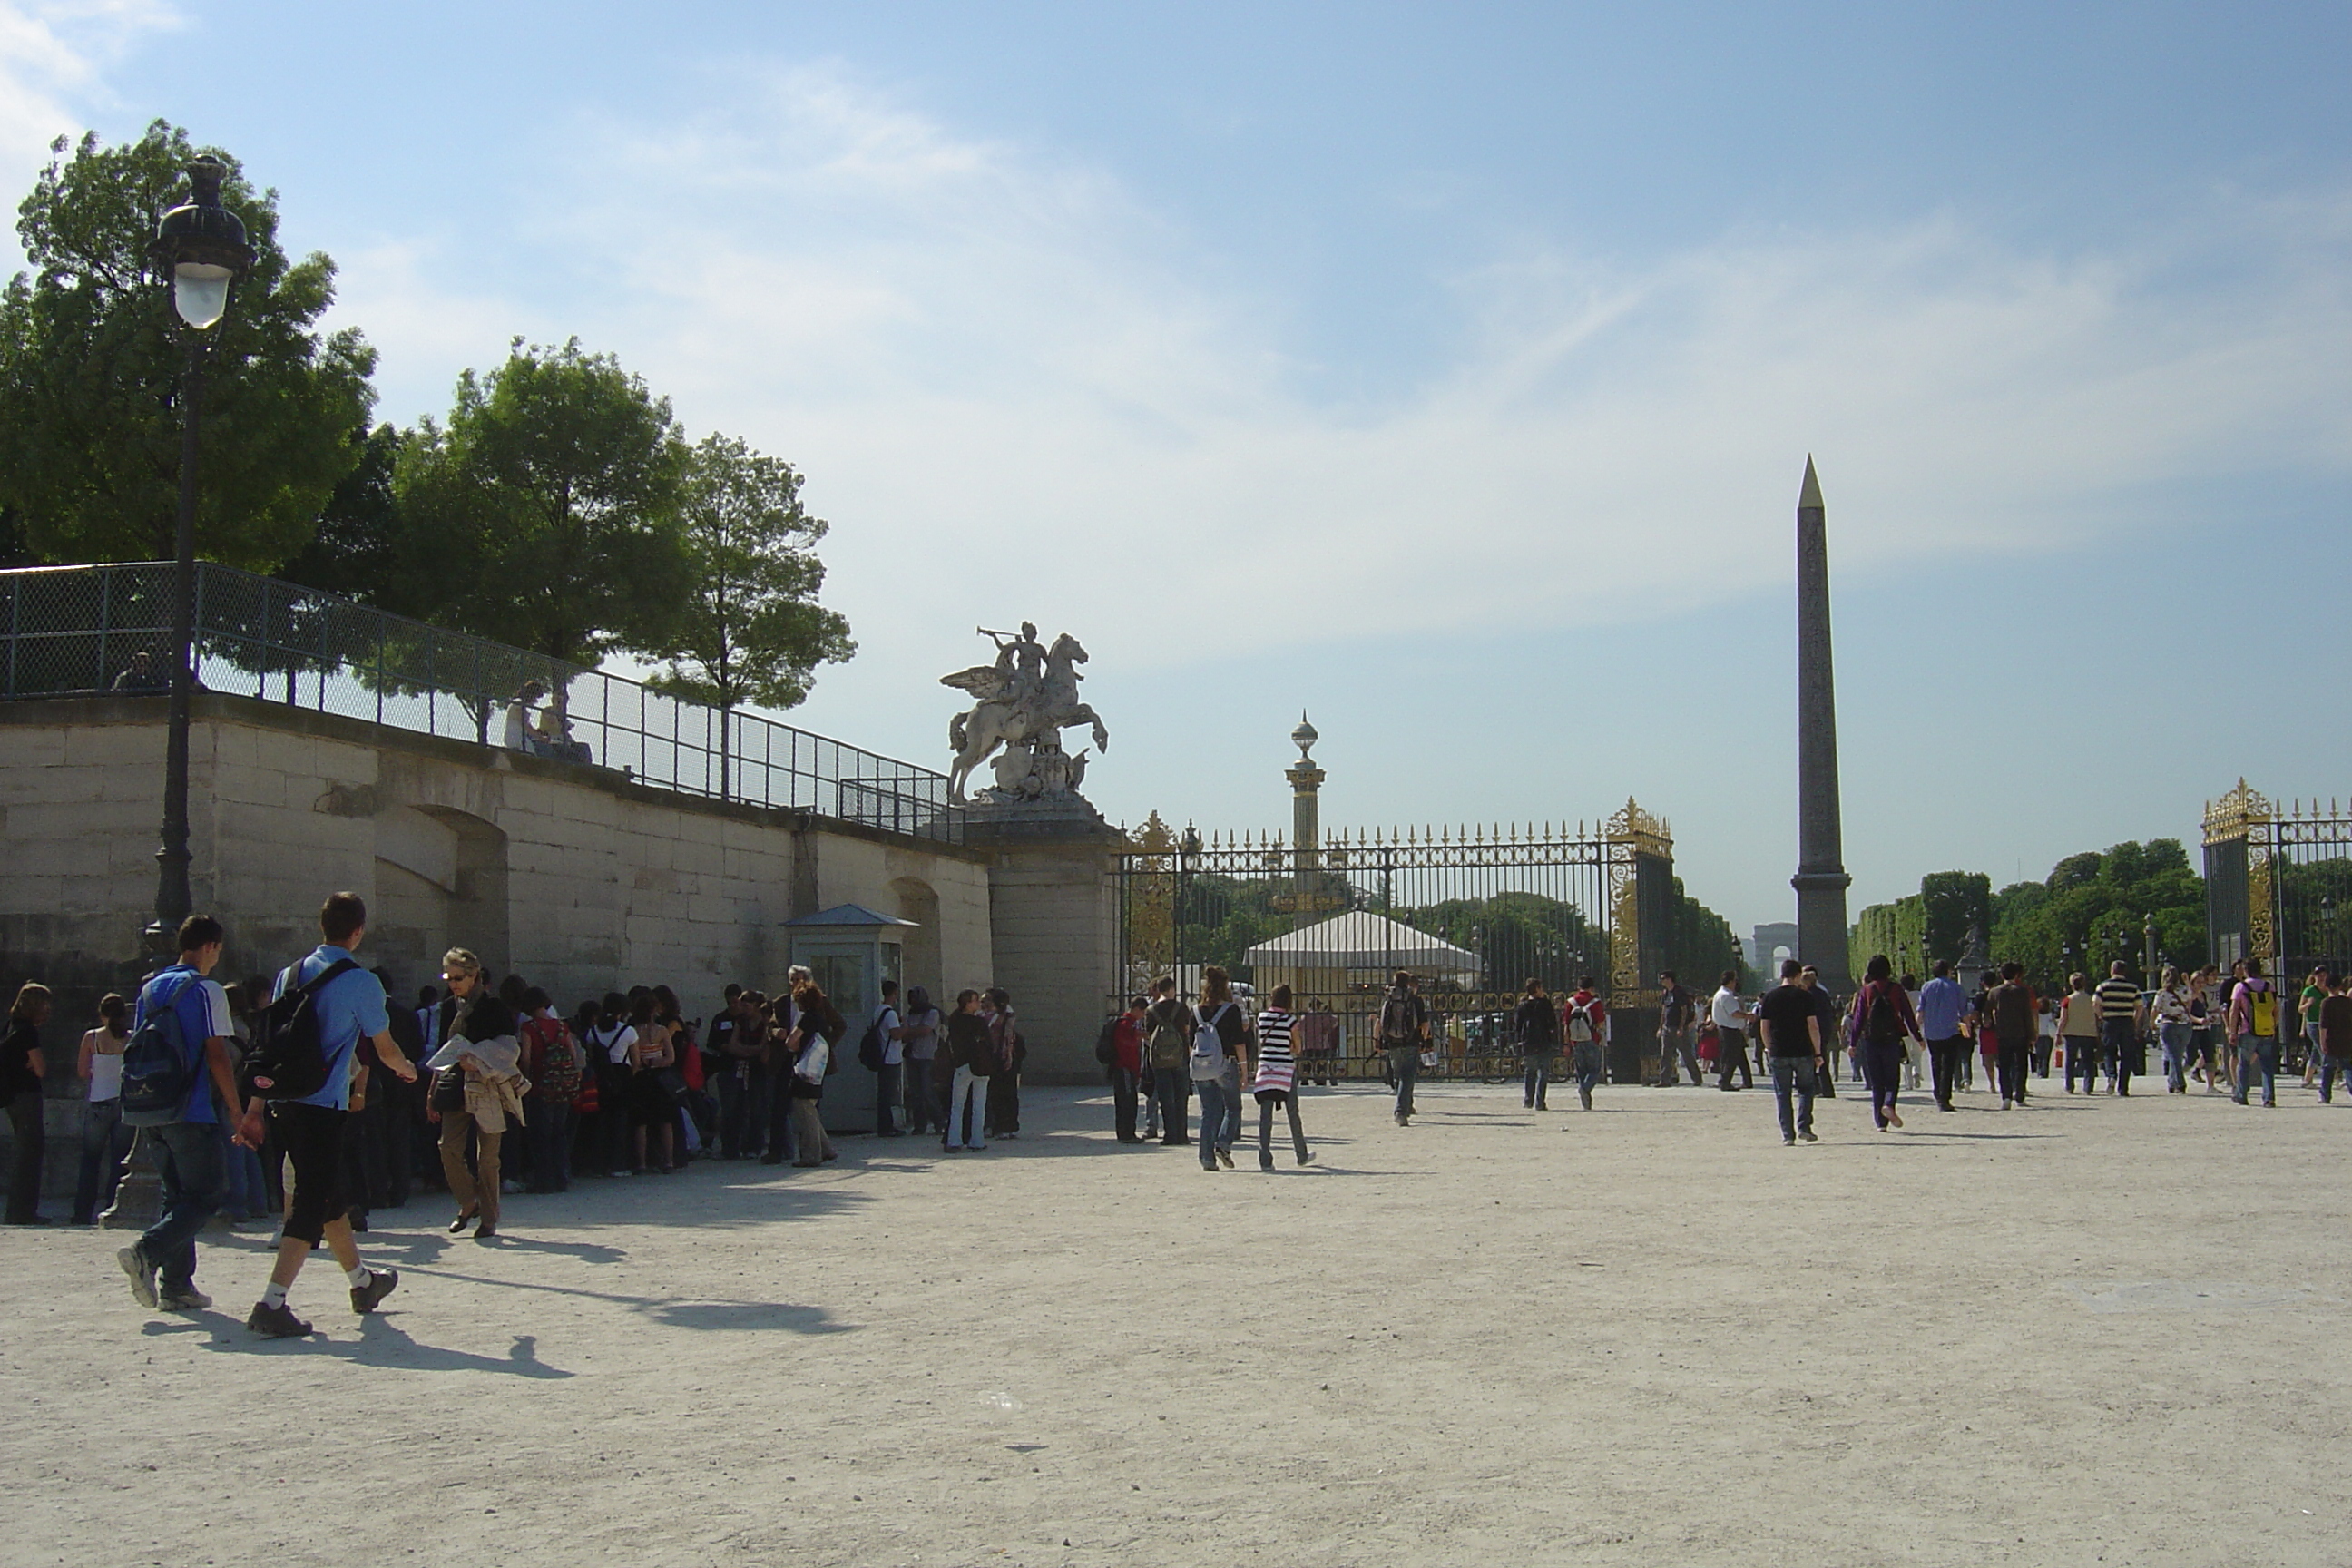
(1054, 919)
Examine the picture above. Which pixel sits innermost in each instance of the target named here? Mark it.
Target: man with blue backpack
(324, 1008)
(179, 1080)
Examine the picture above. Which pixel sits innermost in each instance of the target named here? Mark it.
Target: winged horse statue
(1023, 703)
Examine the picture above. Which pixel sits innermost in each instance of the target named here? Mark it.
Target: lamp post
(200, 246)
(2148, 942)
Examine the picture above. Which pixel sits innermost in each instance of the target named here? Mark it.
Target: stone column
(1054, 927)
(1821, 880)
(1305, 827)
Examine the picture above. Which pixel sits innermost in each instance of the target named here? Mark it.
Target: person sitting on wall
(140, 675)
(521, 734)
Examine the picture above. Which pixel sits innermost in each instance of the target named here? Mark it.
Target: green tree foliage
(2072, 918)
(545, 513)
(1698, 941)
(1929, 924)
(750, 630)
(90, 372)
(356, 550)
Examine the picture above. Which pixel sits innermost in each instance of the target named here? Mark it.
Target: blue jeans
(1793, 1079)
(2330, 1070)
(187, 1154)
(2174, 1039)
(1405, 1065)
(241, 1191)
(2257, 1057)
(1588, 1058)
(104, 1142)
(1212, 1091)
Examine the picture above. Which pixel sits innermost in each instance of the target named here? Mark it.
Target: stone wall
(575, 877)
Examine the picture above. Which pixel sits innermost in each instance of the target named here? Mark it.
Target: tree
(545, 513)
(751, 629)
(355, 551)
(90, 372)
(2074, 919)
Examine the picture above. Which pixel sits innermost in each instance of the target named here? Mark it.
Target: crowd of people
(311, 1098)
(2230, 1034)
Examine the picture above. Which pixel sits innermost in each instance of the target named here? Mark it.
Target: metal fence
(1473, 913)
(2278, 881)
(77, 630)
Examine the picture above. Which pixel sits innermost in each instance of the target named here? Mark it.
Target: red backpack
(555, 1056)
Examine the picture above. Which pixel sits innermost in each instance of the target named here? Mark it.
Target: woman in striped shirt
(1277, 1080)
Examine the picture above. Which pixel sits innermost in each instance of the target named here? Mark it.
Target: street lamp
(201, 246)
(2147, 939)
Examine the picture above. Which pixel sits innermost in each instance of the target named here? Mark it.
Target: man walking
(1942, 1005)
(2120, 1012)
(1677, 1032)
(1537, 1028)
(2335, 1037)
(2015, 1016)
(192, 1010)
(1167, 1036)
(349, 1005)
(1404, 1028)
(1731, 1018)
(1584, 1022)
(2254, 1025)
(1790, 1031)
(1826, 1011)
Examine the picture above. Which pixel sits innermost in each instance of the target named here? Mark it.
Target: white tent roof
(1361, 940)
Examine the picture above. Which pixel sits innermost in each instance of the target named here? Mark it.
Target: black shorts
(313, 1137)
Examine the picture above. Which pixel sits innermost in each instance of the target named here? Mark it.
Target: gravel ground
(2091, 1331)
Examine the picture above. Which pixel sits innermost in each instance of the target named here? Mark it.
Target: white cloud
(52, 56)
(1014, 391)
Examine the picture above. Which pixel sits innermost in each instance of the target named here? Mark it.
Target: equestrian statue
(1023, 703)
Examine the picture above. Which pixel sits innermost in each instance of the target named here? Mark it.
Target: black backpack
(1397, 1025)
(289, 1060)
(156, 1071)
(1882, 1026)
(870, 1045)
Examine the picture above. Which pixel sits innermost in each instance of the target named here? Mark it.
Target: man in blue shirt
(310, 1130)
(1942, 1005)
(187, 1152)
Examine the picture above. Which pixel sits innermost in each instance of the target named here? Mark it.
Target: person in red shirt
(1120, 1051)
(1584, 1027)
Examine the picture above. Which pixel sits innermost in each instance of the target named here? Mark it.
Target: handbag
(1429, 1055)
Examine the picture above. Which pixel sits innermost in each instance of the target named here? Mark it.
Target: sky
(1446, 372)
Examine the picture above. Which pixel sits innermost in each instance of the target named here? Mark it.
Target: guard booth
(851, 949)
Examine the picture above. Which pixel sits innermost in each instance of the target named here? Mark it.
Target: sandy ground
(2091, 1331)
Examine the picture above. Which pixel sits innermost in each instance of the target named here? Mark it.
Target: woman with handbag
(814, 1043)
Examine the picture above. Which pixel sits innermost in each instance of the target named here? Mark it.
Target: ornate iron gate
(1474, 912)
(2278, 881)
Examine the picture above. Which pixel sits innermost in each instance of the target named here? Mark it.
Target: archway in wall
(440, 882)
(920, 903)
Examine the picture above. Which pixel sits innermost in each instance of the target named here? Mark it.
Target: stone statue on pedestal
(1025, 700)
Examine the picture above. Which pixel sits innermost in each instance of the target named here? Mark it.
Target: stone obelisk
(1821, 880)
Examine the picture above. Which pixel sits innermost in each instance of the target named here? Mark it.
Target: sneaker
(1225, 1158)
(277, 1322)
(143, 1275)
(1585, 1095)
(1788, 1143)
(1307, 1159)
(382, 1282)
(188, 1300)
(1807, 1137)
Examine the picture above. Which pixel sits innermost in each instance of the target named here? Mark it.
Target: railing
(78, 630)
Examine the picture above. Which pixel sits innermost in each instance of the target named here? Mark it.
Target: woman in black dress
(21, 1069)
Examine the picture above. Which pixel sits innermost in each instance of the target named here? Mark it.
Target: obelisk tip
(1810, 497)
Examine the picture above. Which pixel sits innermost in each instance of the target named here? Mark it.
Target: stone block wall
(573, 876)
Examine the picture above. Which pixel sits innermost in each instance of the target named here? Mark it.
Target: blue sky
(1447, 371)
